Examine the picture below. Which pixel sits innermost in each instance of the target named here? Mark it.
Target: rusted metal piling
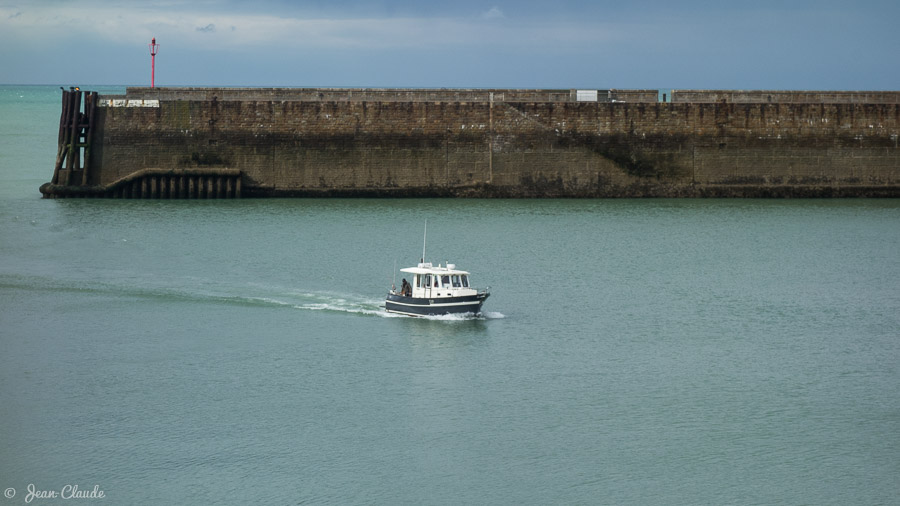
(177, 184)
(159, 184)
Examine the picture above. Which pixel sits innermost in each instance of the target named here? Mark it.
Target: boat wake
(335, 302)
(355, 304)
(488, 315)
(209, 291)
(321, 301)
(256, 294)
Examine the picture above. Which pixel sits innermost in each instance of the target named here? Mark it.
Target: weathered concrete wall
(463, 144)
(380, 95)
(786, 97)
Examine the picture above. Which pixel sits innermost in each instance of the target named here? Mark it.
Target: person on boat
(405, 289)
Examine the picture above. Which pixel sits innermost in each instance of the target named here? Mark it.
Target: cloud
(493, 13)
(200, 29)
(355, 42)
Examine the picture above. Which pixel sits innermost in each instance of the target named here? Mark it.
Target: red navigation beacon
(154, 48)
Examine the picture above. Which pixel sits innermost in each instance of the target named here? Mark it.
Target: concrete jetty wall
(490, 143)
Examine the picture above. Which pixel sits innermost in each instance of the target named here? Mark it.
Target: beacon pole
(154, 48)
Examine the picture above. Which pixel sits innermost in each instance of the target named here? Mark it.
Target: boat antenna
(424, 238)
(394, 279)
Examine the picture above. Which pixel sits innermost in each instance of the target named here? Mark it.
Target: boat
(435, 290)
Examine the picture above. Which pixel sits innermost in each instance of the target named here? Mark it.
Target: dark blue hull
(415, 306)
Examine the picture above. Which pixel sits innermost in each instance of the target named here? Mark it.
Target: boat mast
(424, 238)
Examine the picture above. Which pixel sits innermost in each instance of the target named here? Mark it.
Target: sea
(643, 352)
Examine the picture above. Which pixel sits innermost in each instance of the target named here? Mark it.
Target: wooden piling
(90, 107)
(75, 107)
(61, 140)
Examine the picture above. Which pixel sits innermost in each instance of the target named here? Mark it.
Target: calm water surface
(632, 352)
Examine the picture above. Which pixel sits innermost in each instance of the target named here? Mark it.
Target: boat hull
(416, 306)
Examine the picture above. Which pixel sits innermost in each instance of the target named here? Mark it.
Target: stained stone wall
(516, 143)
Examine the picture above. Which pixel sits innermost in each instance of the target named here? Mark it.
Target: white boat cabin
(429, 282)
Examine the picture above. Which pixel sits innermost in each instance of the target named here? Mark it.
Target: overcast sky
(753, 44)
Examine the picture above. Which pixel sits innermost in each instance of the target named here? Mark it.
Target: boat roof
(427, 268)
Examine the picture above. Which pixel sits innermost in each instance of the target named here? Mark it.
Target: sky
(564, 44)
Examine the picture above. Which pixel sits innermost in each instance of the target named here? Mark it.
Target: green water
(632, 352)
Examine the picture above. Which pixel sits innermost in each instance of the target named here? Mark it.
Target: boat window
(427, 280)
(465, 281)
(445, 281)
(436, 283)
(456, 281)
